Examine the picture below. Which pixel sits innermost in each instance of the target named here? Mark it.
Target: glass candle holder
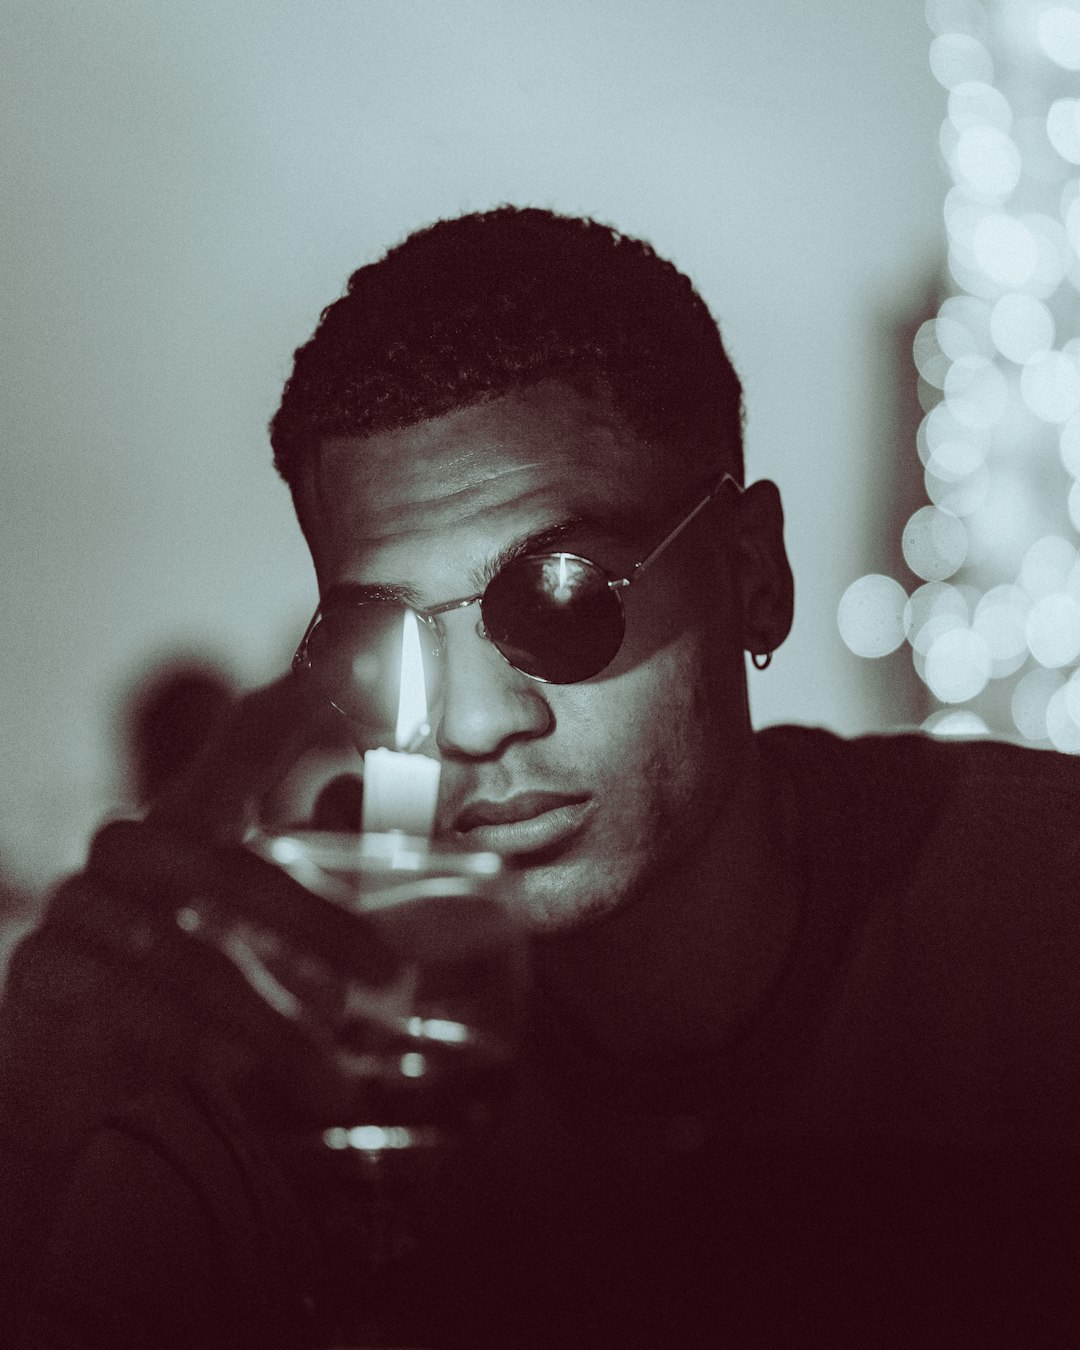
(424, 1078)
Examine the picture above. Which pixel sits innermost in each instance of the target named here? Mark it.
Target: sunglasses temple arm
(714, 491)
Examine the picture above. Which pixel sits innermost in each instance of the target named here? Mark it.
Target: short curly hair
(478, 306)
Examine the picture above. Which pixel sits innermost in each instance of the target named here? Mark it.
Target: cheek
(682, 626)
(663, 730)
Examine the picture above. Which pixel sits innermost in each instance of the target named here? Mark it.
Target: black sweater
(889, 1155)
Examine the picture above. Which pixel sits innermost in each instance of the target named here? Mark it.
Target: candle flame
(558, 578)
(412, 723)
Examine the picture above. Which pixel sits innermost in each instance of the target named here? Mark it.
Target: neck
(675, 973)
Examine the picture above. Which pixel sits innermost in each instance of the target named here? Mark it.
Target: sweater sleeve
(130, 1259)
(165, 1235)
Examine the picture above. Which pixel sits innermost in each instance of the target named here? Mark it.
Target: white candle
(400, 792)
(401, 788)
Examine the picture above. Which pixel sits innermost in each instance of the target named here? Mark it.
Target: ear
(762, 573)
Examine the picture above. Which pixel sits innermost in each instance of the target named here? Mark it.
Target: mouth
(529, 823)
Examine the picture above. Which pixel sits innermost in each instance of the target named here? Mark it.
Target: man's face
(592, 791)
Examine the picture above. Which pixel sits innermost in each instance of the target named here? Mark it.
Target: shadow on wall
(18, 913)
(166, 718)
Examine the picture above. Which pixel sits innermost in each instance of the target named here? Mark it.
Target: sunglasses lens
(356, 651)
(554, 617)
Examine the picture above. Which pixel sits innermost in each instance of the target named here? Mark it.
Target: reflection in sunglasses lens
(555, 617)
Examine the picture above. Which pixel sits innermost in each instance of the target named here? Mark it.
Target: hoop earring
(761, 659)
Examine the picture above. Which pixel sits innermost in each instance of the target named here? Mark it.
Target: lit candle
(401, 787)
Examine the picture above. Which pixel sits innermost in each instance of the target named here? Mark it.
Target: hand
(185, 870)
(216, 798)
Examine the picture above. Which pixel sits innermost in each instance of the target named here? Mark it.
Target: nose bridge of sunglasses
(443, 620)
(556, 618)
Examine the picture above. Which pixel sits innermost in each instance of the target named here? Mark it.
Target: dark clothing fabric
(887, 1155)
(890, 1155)
(136, 1204)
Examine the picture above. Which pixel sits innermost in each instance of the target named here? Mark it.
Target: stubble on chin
(554, 898)
(613, 869)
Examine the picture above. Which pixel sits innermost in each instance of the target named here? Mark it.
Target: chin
(557, 898)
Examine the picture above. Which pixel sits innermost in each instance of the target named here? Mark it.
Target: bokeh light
(963, 212)
(931, 361)
(1001, 621)
(934, 543)
(1070, 213)
(999, 384)
(1063, 128)
(1042, 163)
(957, 57)
(1047, 566)
(999, 533)
(975, 392)
(1063, 717)
(1069, 446)
(956, 16)
(1030, 700)
(976, 104)
(1050, 386)
(957, 665)
(955, 722)
(958, 457)
(963, 327)
(957, 495)
(1058, 31)
(932, 600)
(1052, 253)
(987, 161)
(1022, 327)
(1053, 630)
(948, 445)
(871, 615)
(1005, 249)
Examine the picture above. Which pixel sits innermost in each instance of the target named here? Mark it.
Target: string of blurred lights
(993, 620)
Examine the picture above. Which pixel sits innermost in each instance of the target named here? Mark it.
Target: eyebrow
(620, 528)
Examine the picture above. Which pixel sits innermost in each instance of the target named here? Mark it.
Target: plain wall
(186, 184)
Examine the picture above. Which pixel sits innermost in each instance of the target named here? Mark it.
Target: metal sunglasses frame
(302, 661)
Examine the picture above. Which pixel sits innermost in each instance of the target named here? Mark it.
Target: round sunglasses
(556, 617)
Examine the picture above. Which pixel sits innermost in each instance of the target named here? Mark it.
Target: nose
(486, 704)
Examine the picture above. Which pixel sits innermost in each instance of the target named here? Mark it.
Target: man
(801, 1061)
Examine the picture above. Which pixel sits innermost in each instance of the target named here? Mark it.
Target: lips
(526, 823)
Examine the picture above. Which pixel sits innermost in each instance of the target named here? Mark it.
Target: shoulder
(125, 1165)
(975, 842)
(805, 749)
(909, 779)
(957, 993)
(166, 1233)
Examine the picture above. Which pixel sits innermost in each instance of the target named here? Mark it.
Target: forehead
(520, 462)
